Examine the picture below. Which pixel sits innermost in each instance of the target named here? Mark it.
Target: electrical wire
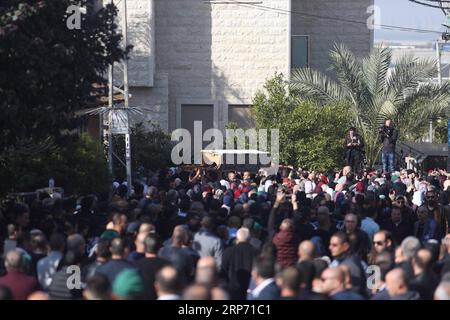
(330, 18)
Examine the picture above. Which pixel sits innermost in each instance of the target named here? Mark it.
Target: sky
(408, 14)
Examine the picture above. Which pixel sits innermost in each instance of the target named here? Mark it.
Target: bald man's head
(206, 272)
(146, 228)
(13, 261)
(38, 295)
(333, 281)
(396, 282)
(206, 262)
(242, 235)
(287, 224)
(167, 281)
(197, 292)
(306, 251)
(218, 293)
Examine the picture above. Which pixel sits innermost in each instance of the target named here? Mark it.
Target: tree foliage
(375, 88)
(77, 165)
(48, 70)
(150, 150)
(310, 136)
(47, 73)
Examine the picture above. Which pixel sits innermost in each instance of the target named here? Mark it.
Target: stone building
(205, 60)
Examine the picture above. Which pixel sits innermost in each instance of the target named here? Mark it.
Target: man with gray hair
(306, 251)
(237, 264)
(408, 249)
(410, 246)
(20, 284)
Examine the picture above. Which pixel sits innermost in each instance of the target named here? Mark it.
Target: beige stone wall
(325, 32)
(221, 54)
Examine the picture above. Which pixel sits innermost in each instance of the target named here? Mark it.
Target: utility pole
(438, 58)
(114, 115)
(108, 140)
(109, 120)
(126, 94)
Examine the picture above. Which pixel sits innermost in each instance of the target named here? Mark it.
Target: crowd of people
(207, 234)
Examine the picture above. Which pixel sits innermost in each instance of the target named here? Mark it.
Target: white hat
(225, 183)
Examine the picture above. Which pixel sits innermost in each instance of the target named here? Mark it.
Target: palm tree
(376, 89)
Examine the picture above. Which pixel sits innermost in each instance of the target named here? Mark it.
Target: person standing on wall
(388, 136)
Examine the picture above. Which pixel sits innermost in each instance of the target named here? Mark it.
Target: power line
(438, 4)
(284, 11)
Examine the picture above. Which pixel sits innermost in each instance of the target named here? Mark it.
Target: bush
(77, 165)
(311, 136)
(150, 150)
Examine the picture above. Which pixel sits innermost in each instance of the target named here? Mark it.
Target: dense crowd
(207, 234)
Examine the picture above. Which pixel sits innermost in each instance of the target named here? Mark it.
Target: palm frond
(407, 74)
(348, 71)
(309, 83)
(375, 68)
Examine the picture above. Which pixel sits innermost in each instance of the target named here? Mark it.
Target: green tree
(48, 71)
(373, 92)
(77, 165)
(150, 150)
(310, 137)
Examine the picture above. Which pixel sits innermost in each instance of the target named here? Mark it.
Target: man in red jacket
(20, 284)
(286, 243)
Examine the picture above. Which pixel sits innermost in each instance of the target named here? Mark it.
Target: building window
(241, 115)
(299, 52)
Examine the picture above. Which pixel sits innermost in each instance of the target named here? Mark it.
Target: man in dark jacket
(426, 227)
(151, 264)
(333, 284)
(340, 250)
(263, 274)
(397, 286)
(118, 262)
(399, 227)
(237, 264)
(354, 146)
(426, 281)
(388, 136)
(440, 213)
(359, 240)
